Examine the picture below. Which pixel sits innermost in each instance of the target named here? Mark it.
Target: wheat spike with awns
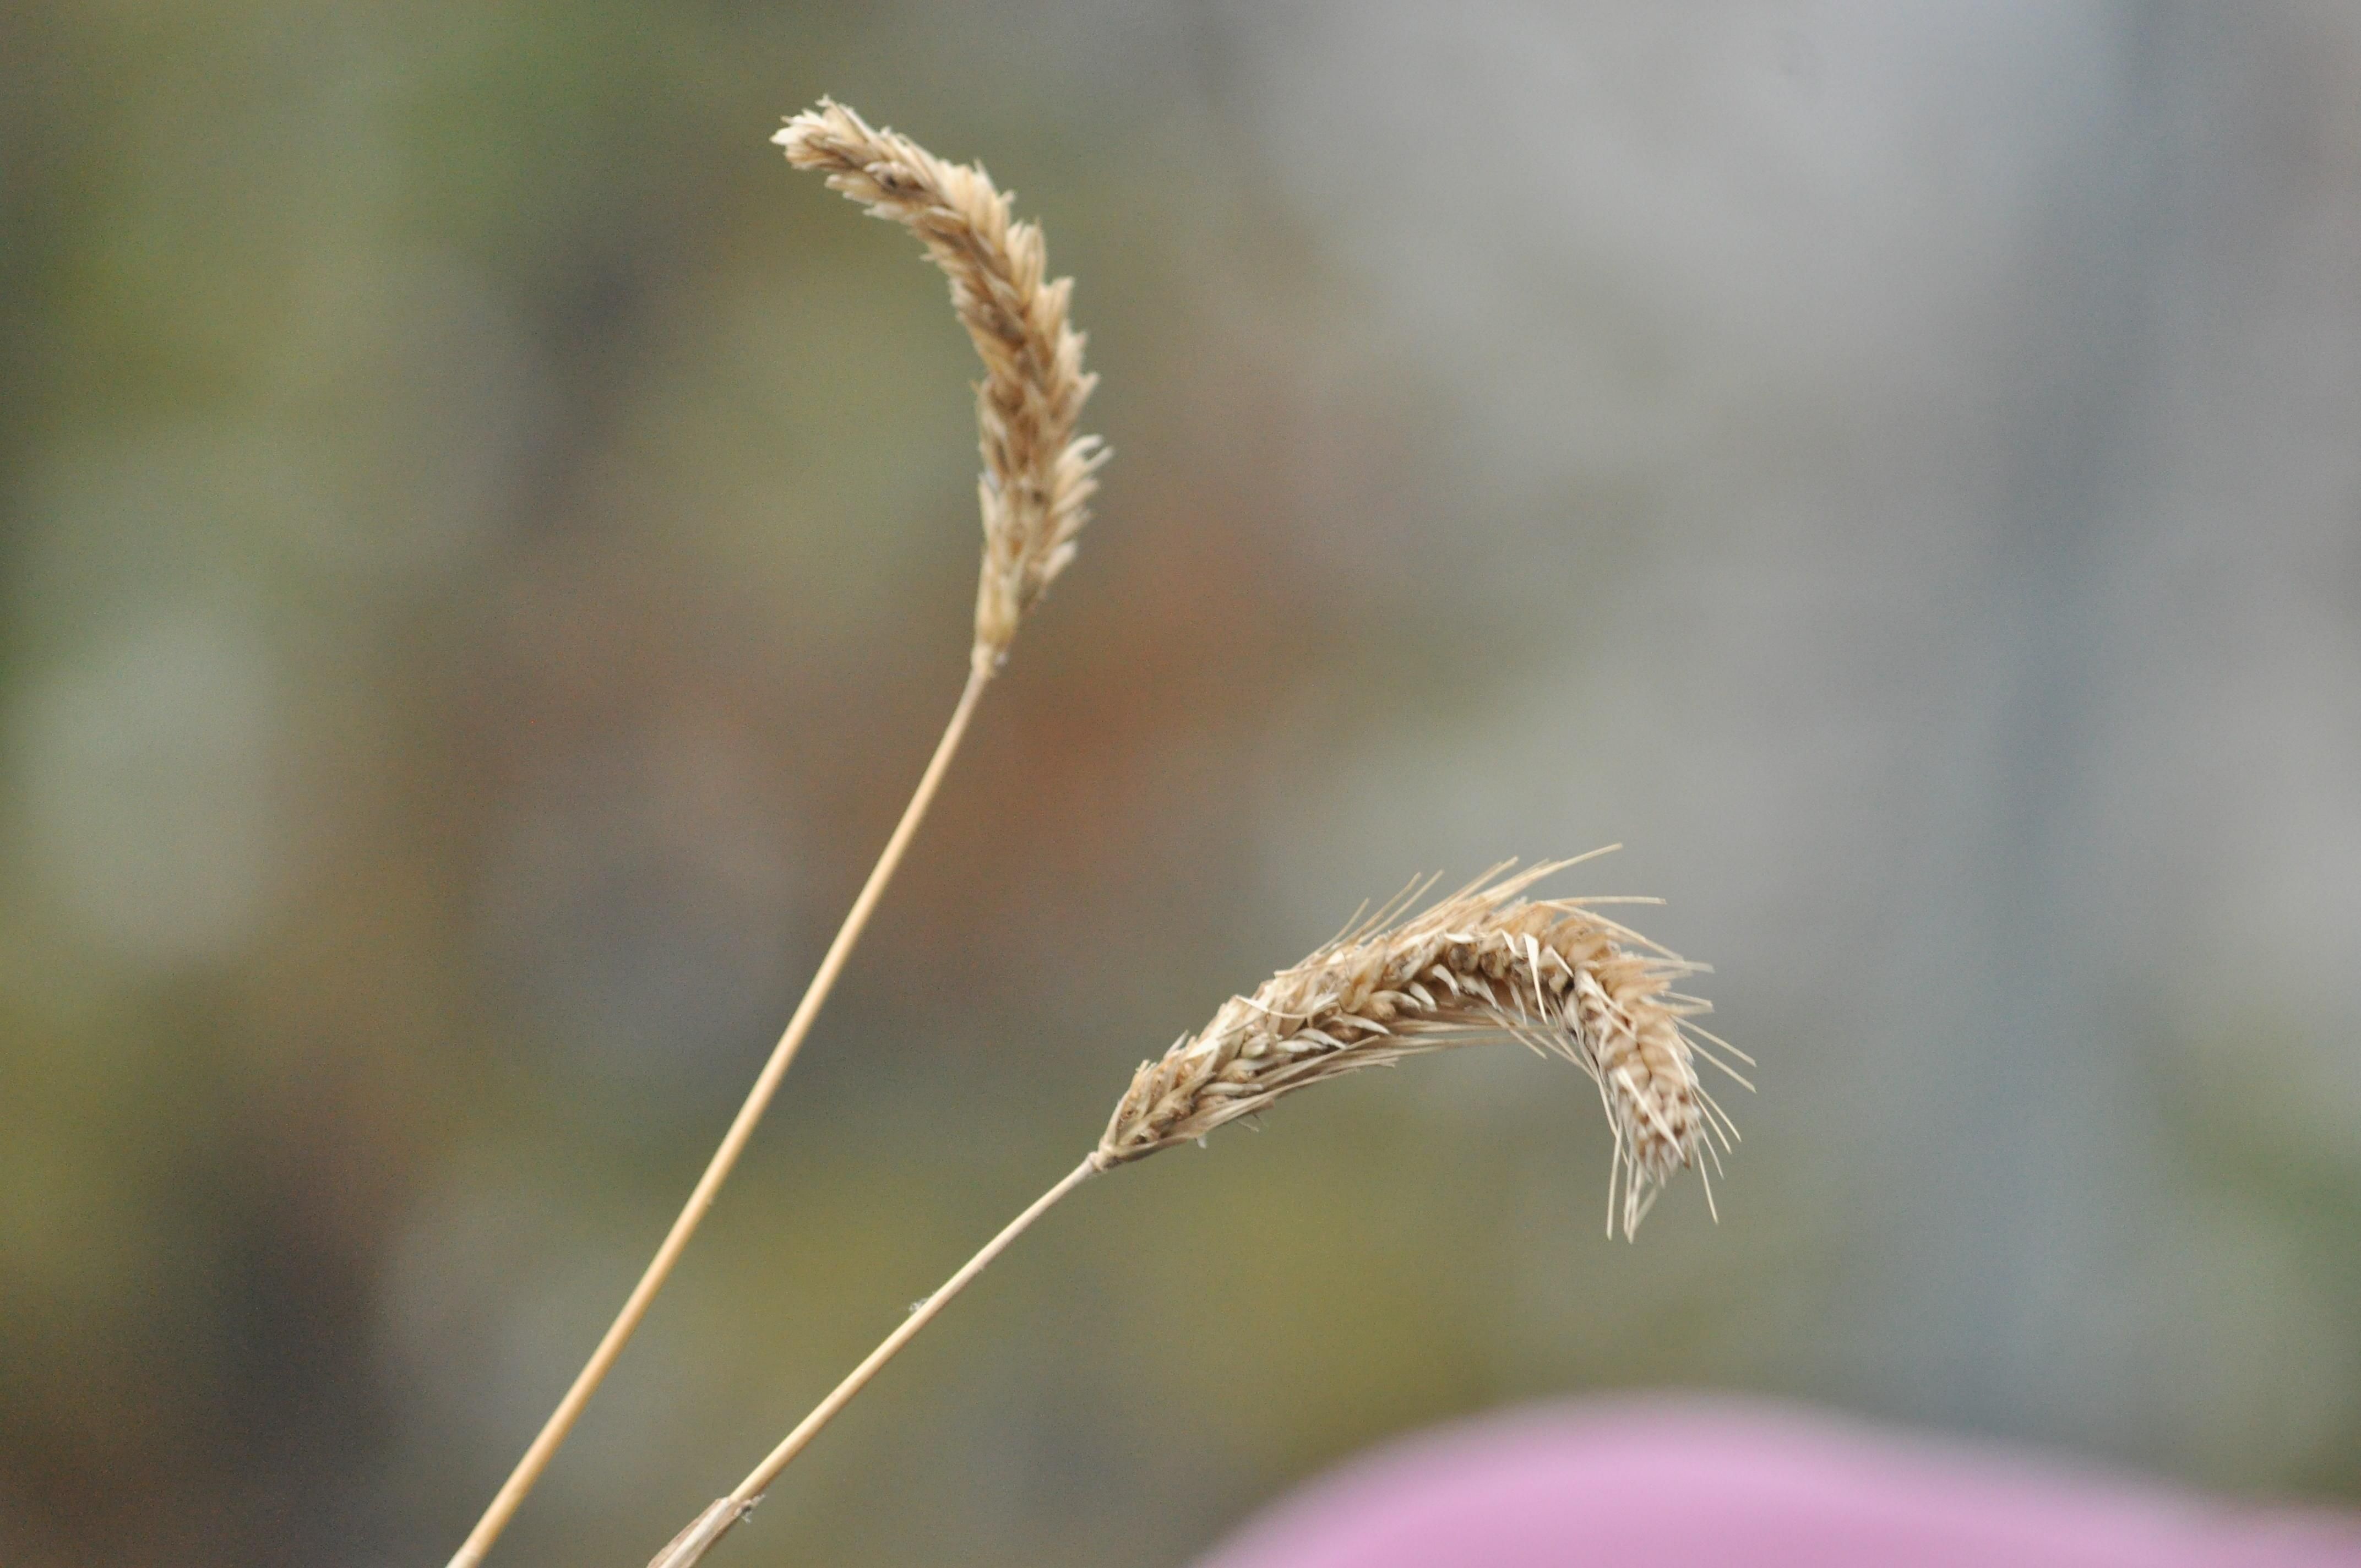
(1038, 475)
(1481, 965)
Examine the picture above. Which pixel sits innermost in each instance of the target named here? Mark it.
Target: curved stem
(733, 1143)
(708, 1527)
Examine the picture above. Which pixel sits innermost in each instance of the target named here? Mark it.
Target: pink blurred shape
(1684, 1484)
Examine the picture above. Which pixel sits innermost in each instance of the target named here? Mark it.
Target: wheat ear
(1482, 965)
(1038, 475)
(1037, 472)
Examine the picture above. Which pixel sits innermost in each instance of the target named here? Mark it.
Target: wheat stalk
(1482, 965)
(1038, 476)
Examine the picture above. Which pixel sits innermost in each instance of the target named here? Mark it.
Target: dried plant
(1480, 966)
(1038, 475)
(1037, 471)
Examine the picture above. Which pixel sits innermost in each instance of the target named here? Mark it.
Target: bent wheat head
(1481, 965)
(1037, 473)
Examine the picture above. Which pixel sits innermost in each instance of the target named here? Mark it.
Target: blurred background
(486, 550)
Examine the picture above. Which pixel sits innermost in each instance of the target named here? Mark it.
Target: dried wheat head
(1482, 965)
(1037, 473)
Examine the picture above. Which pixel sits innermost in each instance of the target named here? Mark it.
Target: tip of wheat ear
(1482, 965)
(1038, 472)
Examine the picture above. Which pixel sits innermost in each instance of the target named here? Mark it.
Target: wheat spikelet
(1037, 473)
(1483, 964)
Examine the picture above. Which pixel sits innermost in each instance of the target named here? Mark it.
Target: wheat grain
(1483, 964)
(1037, 473)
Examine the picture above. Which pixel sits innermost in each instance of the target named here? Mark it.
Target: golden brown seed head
(1482, 965)
(1038, 474)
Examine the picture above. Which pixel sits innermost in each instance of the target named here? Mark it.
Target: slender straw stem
(691, 1544)
(733, 1143)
